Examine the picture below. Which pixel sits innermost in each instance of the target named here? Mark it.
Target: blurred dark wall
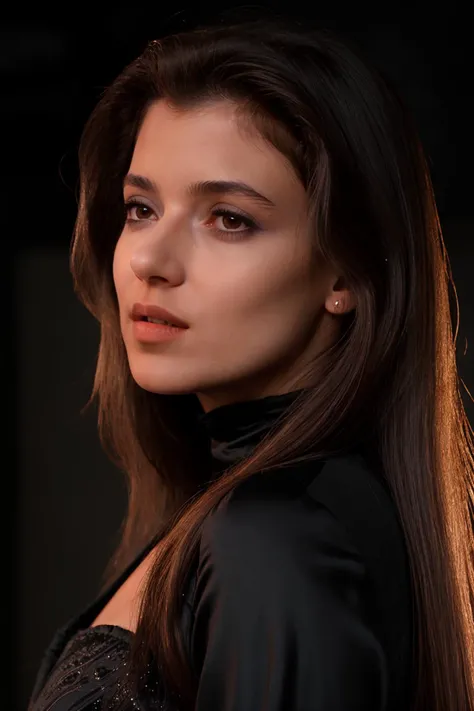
(67, 500)
(70, 498)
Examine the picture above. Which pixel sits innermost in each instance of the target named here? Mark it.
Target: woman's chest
(123, 607)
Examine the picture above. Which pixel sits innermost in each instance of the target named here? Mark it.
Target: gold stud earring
(336, 304)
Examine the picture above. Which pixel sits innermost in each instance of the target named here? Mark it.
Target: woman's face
(257, 306)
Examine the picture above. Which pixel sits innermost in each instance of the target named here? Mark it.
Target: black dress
(300, 599)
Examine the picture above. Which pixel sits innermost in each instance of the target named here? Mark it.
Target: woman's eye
(137, 211)
(231, 222)
(228, 223)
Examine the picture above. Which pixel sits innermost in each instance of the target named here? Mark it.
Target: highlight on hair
(392, 371)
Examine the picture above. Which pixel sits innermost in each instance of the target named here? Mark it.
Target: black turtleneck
(236, 428)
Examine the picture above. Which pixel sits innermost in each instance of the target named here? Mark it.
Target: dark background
(62, 500)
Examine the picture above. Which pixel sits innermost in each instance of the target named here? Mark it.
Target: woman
(300, 463)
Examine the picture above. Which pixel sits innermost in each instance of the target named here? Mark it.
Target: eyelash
(219, 212)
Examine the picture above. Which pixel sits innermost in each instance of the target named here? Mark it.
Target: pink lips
(140, 311)
(148, 332)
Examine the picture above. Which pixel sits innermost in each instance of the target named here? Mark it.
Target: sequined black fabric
(92, 675)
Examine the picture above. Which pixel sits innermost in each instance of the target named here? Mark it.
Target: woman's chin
(163, 385)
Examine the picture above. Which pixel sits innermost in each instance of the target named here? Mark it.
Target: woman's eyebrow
(206, 187)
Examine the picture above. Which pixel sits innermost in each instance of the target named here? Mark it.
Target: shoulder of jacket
(334, 482)
(359, 497)
(352, 489)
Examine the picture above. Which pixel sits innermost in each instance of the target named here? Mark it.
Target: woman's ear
(340, 300)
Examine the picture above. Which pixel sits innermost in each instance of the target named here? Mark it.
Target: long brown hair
(392, 371)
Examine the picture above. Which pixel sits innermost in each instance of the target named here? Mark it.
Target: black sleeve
(279, 622)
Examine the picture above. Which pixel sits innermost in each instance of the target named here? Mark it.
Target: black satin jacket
(300, 600)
